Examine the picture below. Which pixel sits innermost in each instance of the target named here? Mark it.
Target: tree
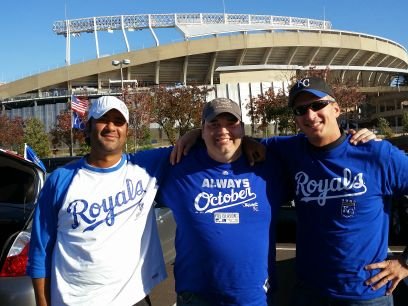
(384, 128)
(271, 107)
(61, 133)
(349, 99)
(139, 105)
(13, 133)
(177, 110)
(405, 123)
(36, 137)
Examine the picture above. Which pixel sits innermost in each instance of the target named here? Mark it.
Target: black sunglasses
(314, 106)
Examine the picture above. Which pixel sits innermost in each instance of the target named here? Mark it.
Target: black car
(20, 184)
(53, 163)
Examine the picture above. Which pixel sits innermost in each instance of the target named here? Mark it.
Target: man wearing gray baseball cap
(223, 208)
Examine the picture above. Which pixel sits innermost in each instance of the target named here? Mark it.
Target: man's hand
(362, 136)
(392, 271)
(183, 145)
(254, 151)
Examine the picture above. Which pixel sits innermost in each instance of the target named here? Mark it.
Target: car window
(16, 186)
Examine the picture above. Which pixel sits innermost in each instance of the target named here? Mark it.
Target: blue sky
(29, 46)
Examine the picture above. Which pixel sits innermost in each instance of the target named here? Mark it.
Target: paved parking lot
(163, 295)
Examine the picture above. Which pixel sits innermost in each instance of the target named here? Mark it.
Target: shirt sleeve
(43, 233)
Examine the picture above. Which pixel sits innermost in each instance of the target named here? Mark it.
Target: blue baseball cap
(314, 85)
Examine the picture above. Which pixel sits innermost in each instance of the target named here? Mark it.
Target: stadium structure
(240, 55)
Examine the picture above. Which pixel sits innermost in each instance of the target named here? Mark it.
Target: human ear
(336, 108)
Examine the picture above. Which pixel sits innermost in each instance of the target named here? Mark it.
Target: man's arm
(42, 291)
(394, 269)
(183, 145)
(254, 151)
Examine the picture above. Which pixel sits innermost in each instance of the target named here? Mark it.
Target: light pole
(120, 64)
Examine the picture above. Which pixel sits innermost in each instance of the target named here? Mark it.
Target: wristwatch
(404, 256)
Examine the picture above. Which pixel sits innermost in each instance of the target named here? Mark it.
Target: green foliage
(405, 123)
(83, 149)
(36, 137)
(384, 128)
(145, 147)
(175, 110)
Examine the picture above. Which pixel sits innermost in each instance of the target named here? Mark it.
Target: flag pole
(71, 149)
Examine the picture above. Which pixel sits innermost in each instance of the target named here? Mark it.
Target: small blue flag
(30, 155)
(77, 122)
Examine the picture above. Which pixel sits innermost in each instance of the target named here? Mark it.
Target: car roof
(53, 163)
(18, 158)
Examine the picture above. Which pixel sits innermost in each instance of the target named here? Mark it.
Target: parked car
(53, 163)
(399, 221)
(20, 184)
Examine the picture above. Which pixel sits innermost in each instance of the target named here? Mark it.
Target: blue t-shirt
(225, 247)
(343, 203)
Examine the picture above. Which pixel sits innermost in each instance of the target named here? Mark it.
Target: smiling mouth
(110, 137)
(313, 125)
(223, 140)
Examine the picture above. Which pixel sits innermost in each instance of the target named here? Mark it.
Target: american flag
(79, 105)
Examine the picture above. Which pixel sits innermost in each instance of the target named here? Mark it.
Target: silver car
(20, 184)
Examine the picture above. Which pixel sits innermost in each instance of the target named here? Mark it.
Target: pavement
(164, 295)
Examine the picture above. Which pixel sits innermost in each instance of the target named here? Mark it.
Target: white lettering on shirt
(321, 190)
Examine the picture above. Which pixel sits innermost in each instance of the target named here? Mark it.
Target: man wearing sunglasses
(342, 195)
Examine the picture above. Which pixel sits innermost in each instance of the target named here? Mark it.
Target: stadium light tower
(120, 64)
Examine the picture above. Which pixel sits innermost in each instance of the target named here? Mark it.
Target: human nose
(110, 125)
(309, 114)
(222, 129)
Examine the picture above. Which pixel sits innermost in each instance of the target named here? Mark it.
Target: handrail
(144, 21)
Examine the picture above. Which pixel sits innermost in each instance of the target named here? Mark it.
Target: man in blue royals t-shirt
(343, 195)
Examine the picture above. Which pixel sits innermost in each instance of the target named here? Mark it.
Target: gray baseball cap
(221, 105)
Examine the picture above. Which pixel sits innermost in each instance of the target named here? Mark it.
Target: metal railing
(144, 21)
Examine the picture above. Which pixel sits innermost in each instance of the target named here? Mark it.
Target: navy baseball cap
(314, 85)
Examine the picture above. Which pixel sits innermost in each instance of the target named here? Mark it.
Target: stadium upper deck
(214, 41)
(216, 49)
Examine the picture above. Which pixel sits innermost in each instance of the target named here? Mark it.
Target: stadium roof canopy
(219, 43)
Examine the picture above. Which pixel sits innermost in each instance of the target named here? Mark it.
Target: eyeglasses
(314, 106)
